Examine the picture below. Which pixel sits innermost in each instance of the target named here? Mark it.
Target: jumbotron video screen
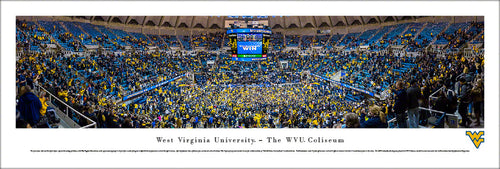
(249, 44)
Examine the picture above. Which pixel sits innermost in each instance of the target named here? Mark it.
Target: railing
(152, 87)
(452, 119)
(92, 124)
(346, 85)
(431, 97)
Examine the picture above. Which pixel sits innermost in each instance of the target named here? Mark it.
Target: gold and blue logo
(476, 137)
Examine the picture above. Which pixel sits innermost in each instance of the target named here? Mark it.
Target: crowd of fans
(265, 94)
(241, 106)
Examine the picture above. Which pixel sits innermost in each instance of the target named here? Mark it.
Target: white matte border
(16, 143)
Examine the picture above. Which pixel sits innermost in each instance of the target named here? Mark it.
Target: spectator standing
(29, 106)
(451, 99)
(414, 95)
(478, 100)
(464, 97)
(400, 105)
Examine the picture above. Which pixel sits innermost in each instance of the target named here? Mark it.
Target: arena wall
(205, 24)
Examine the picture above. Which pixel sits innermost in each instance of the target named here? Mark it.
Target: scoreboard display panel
(249, 44)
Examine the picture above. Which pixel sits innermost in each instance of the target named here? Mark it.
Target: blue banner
(248, 30)
(345, 85)
(152, 87)
(261, 85)
(248, 59)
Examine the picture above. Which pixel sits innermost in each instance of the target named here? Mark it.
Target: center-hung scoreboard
(249, 44)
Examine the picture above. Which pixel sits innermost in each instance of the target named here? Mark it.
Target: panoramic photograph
(238, 72)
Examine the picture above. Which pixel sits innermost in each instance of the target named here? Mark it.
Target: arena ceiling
(215, 22)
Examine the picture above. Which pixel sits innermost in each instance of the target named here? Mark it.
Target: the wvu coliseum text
(246, 140)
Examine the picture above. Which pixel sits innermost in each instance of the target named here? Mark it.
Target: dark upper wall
(278, 23)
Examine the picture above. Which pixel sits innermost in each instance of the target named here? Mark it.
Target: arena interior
(317, 72)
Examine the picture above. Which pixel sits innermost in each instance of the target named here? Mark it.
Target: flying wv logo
(475, 137)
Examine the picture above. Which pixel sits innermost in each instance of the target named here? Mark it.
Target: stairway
(421, 29)
(466, 44)
(163, 40)
(50, 35)
(477, 36)
(180, 42)
(149, 39)
(300, 42)
(341, 39)
(328, 40)
(388, 31)
(222, 44)
(378, 30)
(118, 36)
(283, 40)
(78, 25)
(74, 36)
(101, 34)
(442, 31)
(406, 29)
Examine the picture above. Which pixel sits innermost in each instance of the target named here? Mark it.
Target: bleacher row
(359, 69)
(73, 36)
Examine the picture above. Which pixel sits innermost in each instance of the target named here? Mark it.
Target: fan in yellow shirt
(43, 100)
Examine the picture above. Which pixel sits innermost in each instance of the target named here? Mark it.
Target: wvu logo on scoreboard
(475, 137)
